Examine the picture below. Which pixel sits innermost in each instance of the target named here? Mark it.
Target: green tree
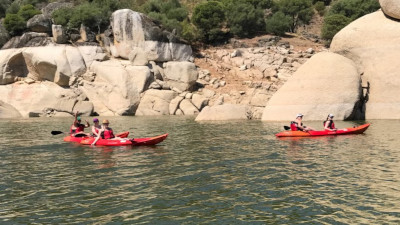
(28, 11)
(354, 9)
(320, 7)
(342, 12)
(87, 14)
(13, 8)
(169, 13)
(278, 24)
(4, 4)
(244, 19)
(333, 24)
(300, 11)
(14, 24)
(209, 18)
(62, 16)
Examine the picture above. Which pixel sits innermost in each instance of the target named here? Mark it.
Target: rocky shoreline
(137, 68)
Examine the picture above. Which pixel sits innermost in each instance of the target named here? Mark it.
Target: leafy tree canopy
(14, 24)
(300, 11)
(278, 24)
(209, 17)
(243, 18)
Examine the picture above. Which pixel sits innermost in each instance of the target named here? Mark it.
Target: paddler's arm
(98, 136)
(76, 116)
(87, 124)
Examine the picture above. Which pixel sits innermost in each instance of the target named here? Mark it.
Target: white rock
(188, 108)
(155, 102)
(174, 104)
(223, 112)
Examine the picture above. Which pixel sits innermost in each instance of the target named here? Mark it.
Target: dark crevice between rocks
(361, 105)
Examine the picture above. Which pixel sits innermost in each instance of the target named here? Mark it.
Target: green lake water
(203, 173)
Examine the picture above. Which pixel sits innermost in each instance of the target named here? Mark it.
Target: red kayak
(125, 141)
(351, 130)
(79, 139)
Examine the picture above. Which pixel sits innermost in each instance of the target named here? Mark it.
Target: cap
(95, 120)
(299, 115)
(106, 122)
(330, 115)
(78, 118)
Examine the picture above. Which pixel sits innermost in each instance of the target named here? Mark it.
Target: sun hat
(299, 115)
(106, 122)
(330, 115)
(95, 120)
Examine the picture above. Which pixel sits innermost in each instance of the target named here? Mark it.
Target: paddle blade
(286, 127)
(55, 132)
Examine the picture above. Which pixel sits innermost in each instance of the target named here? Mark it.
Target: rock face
(59, 34)
(55, 64)
(223, 112)
(327, 83)
(39, 23)
(391, 8)
(39, 98)
(133, 31)
(155, 102)
(373, 43)
(182, 75)
(30, 39)
(116, 88)
(8, 111)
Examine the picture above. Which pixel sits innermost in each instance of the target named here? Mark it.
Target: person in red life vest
(106, 132)
(77, 128)
(297, 124)
(96, 127)
(329, 124)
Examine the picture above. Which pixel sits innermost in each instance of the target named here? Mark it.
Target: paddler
(329, 124)
(96, 127)
(106, 132)
(297, 124)
(77, 127)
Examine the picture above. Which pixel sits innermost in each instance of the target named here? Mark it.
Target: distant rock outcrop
(39, 23)
(327, 83)
(133, 31)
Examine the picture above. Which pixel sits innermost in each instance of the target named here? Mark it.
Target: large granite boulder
(29, 39)
(56, 63)
(327, 83)
(92, 53)
(39, 98)
(4, 37)
(133, 31)
(39, 23)
(391, 8)
(8, 111)
(12, 65)
(181, 75)
(373, 43)
(155, 102)
(116, 90)
(223, 112)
